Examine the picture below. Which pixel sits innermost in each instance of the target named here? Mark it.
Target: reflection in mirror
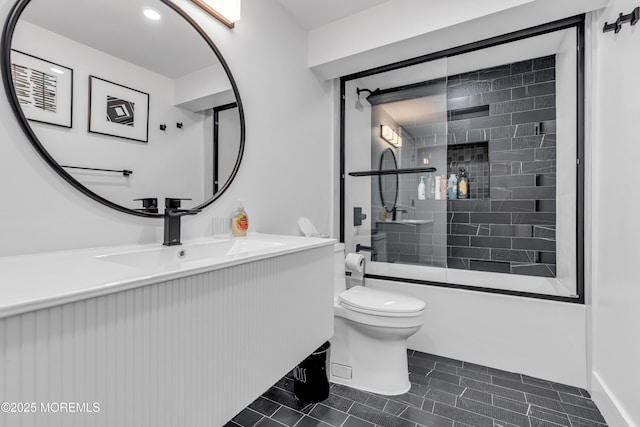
(148, 96)
(388, 184)
(505, 118)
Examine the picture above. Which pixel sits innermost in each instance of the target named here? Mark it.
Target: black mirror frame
(5, 63)
(395, 163)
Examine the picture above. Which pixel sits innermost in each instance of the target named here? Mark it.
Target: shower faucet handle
(358, 216)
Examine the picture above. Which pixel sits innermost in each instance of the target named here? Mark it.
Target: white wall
(284, 174)
(401, 29)
(615, 227)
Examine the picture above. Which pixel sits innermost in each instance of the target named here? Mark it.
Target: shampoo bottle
(437, 187)
(452, 188)
(431, 187)
(422, 190)
(240, 222)
(463, 185)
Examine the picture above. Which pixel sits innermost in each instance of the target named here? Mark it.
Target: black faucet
(395, 212)
(172, 214)
(149, 205)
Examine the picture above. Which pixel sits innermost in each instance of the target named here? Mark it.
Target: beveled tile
(443, 367)
(441, 396)
(287, 416)
(549, 415)
(328, 415)
(395, 408)
(264, 406)
(426, 418)
(479, 376)
(514, 385)
(578, 401)
(447, 386)
(493, 389)
(450, 378)
(356, 422)
(581, 422)
(268, 422)
(247, 418)
(511, 405)
(544, 402)
(376, 401)
(338, 402)
(480, 396)
(579, 411)
(462, 415)
(379, 418)
(495, 412)
(307, 421)
(350, 393)
(435, 358)
(475, 367)
(535, 381)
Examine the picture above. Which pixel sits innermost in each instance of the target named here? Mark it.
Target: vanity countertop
(35, 281)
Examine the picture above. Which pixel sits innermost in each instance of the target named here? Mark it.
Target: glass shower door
(395, 164)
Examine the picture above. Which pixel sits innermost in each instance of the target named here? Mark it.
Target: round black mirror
(127, 100)
(388, 184)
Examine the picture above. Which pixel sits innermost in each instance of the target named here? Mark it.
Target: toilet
(369, 345)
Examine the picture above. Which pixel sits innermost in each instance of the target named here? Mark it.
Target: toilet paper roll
(354, 263)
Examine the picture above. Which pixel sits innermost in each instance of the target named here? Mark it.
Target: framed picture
(44, 89)
(118, 110)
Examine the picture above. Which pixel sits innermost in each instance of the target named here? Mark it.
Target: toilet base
(370, 358)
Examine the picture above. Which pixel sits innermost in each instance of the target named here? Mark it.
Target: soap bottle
(422, 191)
(463, 185)
(240, 222)
(431, 187)
(452, 188)
(437, 187)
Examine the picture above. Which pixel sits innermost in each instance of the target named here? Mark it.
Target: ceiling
(312, 14)
(118, 28)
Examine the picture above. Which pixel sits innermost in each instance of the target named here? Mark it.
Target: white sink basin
(163, 257)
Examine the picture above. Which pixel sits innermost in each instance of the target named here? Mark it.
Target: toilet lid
(376, 300)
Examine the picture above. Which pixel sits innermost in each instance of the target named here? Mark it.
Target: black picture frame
(118, 110)
(47, 98)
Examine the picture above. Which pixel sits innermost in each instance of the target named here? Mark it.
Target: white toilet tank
(339, 279)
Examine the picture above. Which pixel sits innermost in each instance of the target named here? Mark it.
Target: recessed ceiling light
(151, 14)
(57, 70)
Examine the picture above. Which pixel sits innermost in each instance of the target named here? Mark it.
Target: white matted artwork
(118, 110)
(44, 89)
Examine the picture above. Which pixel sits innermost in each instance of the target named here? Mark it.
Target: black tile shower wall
(513, 229)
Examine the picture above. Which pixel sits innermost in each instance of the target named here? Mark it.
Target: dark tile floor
(444, 392)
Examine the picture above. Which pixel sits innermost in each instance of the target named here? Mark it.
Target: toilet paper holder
(374, 251)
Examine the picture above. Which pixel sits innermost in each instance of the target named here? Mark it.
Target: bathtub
(510, 284)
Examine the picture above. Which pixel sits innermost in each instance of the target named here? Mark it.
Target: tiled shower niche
(501, 129)
(474, 159)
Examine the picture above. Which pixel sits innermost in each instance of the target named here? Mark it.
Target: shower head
(359, 106)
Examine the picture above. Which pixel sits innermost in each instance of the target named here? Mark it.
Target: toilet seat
(380, 303)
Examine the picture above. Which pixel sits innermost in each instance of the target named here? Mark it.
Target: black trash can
(311, 377)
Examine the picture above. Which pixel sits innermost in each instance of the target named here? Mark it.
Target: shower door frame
(577, 22)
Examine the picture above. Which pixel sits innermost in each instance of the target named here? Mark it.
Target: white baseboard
(609, 406)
